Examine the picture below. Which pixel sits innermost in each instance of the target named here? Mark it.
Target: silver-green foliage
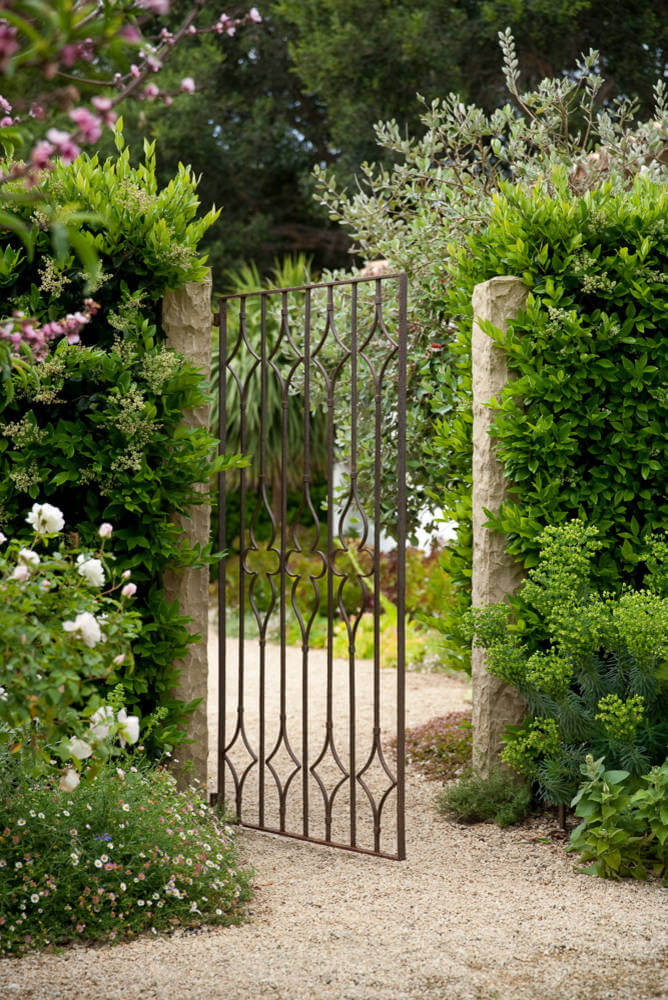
(440, 191)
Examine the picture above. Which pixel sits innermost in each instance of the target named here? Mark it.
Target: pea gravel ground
(475, 913)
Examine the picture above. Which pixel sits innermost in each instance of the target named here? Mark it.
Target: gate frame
(354, 775)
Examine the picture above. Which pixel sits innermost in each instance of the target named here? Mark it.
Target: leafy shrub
(441, 747)
(64, 641)
(624, 829)
(97, 429)
(591, 666)
(580, 427)
(477, 799)
(123, 854)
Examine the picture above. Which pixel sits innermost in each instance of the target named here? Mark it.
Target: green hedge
(96, 428)
(581, 430)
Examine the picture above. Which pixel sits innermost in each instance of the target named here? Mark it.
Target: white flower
(105, 530)
(46, 519)
(129, 590)
(79, 748)
(28, 558)
(87, 627)
(128, 727)
(100, 721)
(21, 572)
(3, 694)
(126, 574)
(119, 659)
(69, 780)
(91, 570)
(3, 538)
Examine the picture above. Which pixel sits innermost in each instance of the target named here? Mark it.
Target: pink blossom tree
(78, 58)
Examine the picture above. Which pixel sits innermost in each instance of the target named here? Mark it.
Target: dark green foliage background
(305, 88)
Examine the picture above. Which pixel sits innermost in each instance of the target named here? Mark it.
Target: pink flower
(254, 15)
(65, 145)
(227, 24)
(134, 70)
(73, 51)
(104, 106)
(6, 122)
(188, 85)
(129, 590)
(130, 34)
(8, 44)
(151, 91)
(5, 105)
(105, 530)
(40, 155)
(90, 126)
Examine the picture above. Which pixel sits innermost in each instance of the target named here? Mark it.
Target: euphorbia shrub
(592, 666)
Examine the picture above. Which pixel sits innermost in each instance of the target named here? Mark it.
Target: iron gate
(303, 734)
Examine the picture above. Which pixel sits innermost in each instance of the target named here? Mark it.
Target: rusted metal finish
(312, 773)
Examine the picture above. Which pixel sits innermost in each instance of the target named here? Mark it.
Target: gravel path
(475, 913)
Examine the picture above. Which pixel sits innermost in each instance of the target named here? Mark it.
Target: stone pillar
(186, 320)
(495, 574)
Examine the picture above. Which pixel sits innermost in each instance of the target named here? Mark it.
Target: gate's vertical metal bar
(330, 561)
(222, 541)
(283, 731)
(352, 765)
(401, 570)
(242, 546)
(377, 488)
(263, 494)
(306, 487)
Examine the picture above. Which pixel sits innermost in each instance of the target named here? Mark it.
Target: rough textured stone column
(186, 319)
(495, 574)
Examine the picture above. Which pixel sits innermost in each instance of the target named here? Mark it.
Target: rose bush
(64, 641)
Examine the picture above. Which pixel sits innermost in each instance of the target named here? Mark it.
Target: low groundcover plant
(123, 853)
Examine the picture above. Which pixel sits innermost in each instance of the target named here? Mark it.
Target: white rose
(91, 570)
(69, 780)
(79, 748)
(87, 627)
(128, 727)
(21, 572)
(46, 519)
(3, 694)
(3, 538)
(100, 721)
(105, 530)
(28, 557)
